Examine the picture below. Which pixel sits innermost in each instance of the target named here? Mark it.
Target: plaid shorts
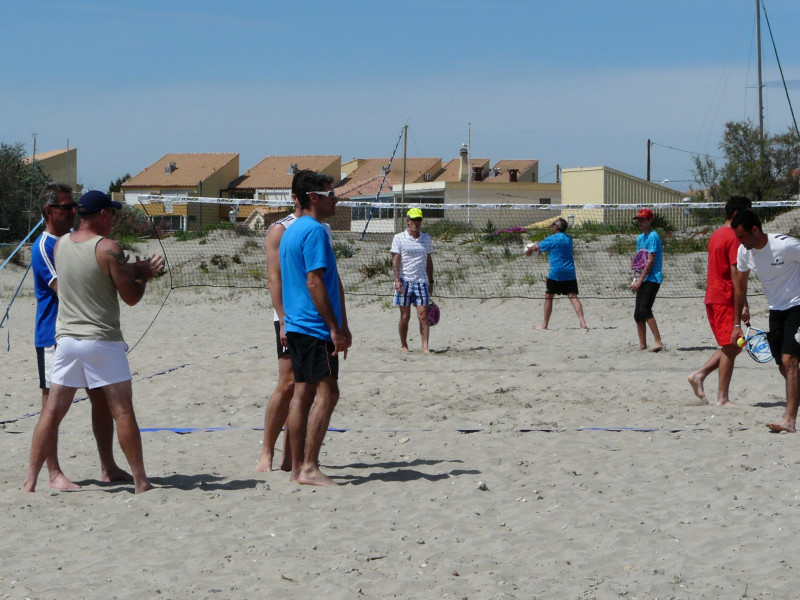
(413, 293)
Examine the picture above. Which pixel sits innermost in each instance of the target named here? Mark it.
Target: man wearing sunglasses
(58, 210)
(315, 324)
(93, 274)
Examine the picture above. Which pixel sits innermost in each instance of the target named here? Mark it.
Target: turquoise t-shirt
(562, 265)
(652, 243)
(306, 247)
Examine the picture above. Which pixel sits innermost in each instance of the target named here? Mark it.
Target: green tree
(20, 185)
(761, 168)
(116, 186)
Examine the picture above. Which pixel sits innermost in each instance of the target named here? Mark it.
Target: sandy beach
(510, 463)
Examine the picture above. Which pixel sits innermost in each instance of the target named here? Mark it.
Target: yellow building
(603, 185)
(60, 165)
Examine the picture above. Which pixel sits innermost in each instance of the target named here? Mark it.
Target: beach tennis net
(478, 248)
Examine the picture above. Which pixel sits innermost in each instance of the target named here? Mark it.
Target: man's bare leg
(424, 327)
(548, 310)
(45, 436)
(697, 378)
(120, 403)
(275, 417)
(657, 346)
(297, 423)
(576, 304)
(58, 481)
(103, 428)
(789, 370)
(728, 354)
(318, 421)
(405, 317)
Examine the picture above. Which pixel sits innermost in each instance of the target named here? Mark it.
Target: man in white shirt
(775, 259)
(413, 276)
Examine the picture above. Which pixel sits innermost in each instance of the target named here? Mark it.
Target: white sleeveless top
(88, 304)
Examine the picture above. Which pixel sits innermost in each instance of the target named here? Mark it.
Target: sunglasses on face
(329, 194)
(71, 206)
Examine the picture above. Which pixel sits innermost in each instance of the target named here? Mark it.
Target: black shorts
(784, 326)
(283, 351)
(312, 360)
(561, 287)
(645, 297)
(40, 364)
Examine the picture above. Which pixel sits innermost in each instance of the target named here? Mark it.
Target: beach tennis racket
(433, 314)
(756, 344)
(638, 263)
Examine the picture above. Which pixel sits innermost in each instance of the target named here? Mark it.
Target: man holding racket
(775, 258)
(561, 279)
(647, 284)
(413, 276)
(723, 249)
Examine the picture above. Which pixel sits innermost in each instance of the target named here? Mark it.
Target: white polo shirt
(413, 256)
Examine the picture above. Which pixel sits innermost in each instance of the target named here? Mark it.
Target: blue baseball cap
(95, 201)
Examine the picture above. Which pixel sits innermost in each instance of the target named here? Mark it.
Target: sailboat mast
(760, 83)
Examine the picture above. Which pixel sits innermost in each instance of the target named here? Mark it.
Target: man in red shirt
(722, 249)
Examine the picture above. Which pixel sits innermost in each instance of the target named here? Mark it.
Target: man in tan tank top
(93, 274)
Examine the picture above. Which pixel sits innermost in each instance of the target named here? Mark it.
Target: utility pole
(649, 143)
(760, 83)
(405, 147)
(32, 172)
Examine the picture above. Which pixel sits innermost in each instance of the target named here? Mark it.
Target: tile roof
(366, 188)
(451, 169)
(415, 170)
(272, 173)
(503, 166)
(46, 155)
(190, 168)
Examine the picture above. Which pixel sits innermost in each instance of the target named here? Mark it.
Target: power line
(686, 151)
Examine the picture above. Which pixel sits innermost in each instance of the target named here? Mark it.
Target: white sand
(704, 506)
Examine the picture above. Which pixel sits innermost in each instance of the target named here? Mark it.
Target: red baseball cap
(645, 213)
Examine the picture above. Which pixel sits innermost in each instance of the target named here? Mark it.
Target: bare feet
(656, 348)
(59, 481)
(143, 487)
(264, 464)
(315, 477)
(426, 351)
(540, 327)
(697, 385)
(115, 474)
(584, 326)
(404, 349)
(784, 425)
(725, 403)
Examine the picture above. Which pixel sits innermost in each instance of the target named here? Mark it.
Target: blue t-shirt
(306, 247)
(562, 265)
(44, 272)
(652, 243)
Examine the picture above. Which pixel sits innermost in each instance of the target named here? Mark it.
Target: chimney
(292, 169)
(463, 170)
(170, 168)
(477, 173)
(512, 175)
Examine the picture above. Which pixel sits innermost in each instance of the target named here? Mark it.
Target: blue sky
(569, 82)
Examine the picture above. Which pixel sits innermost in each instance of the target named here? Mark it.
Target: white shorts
(89, 363)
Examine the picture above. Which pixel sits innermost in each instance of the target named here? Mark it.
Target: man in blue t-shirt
(647, 284)
(315, 322)
(58, 210)
(561, 279)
